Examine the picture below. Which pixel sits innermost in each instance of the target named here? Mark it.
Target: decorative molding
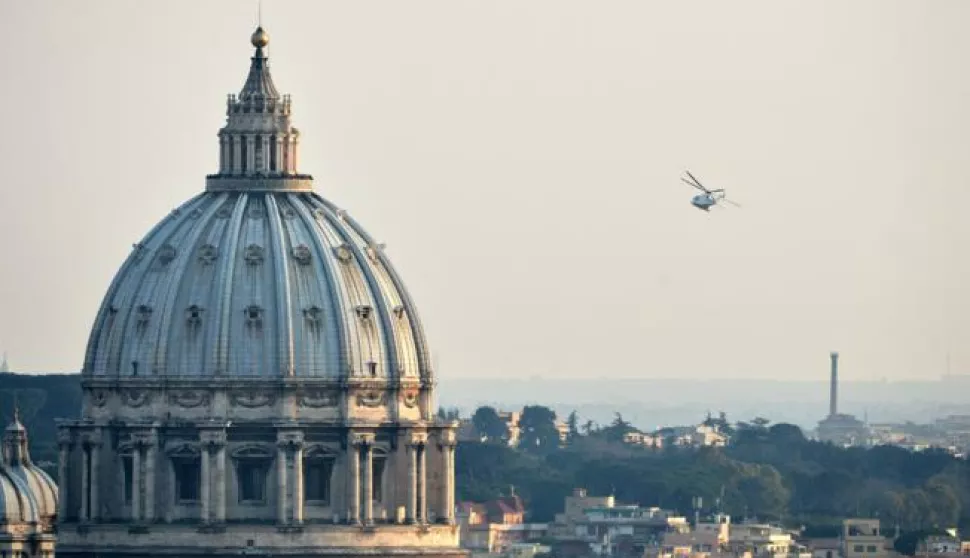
(371, 399)
(410, 399)
(252, 451)
(136, 398)
(361, 439)
(189, 399)
(252, 398)
(99, 397)
(317, 398)
(182, 449)
(343, 253)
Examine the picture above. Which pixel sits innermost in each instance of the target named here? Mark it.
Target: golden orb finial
(260, 38)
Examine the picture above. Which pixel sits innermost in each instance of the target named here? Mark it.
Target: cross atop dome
(258, 147)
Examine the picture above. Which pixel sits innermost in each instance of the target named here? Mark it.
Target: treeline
(769, 472)
(41, 399)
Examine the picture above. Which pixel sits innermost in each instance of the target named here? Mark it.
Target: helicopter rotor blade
(735, 204)
(698, 186)
(698, 182)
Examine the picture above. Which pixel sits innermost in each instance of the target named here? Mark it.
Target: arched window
(378, 466)
(318, 466)
(252, 468)
(187, 465)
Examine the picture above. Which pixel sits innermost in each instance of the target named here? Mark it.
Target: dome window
(254, 254)
(301, 254)
(208, 254)
(399, 311)
(144, 315)
(165, 255)
(372, 368)
(193, 315)
(254, 316)
(313, 315)
(364, 312)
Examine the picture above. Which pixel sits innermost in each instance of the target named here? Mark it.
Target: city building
(257, 380)
(606, 528)
(28, 499)
(862, 538)
(496, 526)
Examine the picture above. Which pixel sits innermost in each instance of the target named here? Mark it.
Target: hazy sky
(521, 161)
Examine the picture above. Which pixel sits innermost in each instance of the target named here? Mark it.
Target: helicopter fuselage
(703, 201)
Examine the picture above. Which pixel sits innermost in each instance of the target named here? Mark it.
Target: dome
(27, 493)
(258, 276)
(256, 372)
(257, 284)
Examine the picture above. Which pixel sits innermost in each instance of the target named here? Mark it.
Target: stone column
(448, 450)
(281, 484)
(237, 154)
(95, 482)
(296, 153)
(353, 482)
(368, 483)
(223, 154)
(221, 484)
(85, 481)
(206, 497)
(412, 503)
(136, 483)
(250, 153)
(150, 457)
(64, 455)
(264, 164)
(422, 484)
(298, 485)
(278, 147)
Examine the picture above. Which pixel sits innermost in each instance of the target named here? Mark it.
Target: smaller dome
(28, 493)
(260, 38)
(17, 502)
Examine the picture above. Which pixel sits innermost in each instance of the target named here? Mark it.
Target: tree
(572, 422)
(588, 427)
(538, 432)
(489, 426)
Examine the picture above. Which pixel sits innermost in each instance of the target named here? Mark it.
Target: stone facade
(257, 380)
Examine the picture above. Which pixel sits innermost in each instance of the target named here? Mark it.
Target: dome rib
(326, 294)
(374, 293)
(185, 254)
(101, 335)
(283, 303)
(125, 298)
(220, 354)
(424, 369)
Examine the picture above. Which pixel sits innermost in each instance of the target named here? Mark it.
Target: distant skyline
(522, 162)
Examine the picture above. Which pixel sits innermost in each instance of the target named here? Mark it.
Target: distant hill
(41, 398)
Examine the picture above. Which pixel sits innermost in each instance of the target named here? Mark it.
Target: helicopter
(709, 198)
